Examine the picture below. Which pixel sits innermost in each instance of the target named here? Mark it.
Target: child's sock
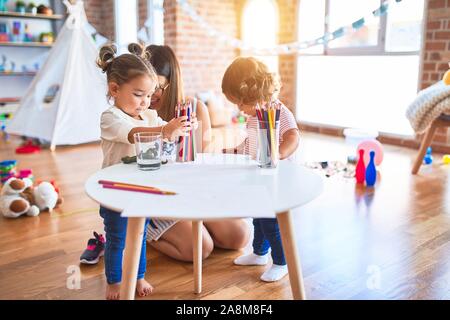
(275, 273)
(252, 260)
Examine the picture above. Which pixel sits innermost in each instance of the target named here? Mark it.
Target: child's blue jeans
(116, 231)
(267, 235)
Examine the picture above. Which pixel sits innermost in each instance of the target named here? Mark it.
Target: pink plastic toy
(371, 145)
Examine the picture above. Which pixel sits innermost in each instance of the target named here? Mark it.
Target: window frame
(378, 50)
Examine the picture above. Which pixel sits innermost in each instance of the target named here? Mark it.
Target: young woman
(174, 238)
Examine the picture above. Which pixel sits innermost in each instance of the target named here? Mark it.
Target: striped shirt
(287, 122)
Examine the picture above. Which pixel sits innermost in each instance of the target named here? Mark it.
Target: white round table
(207, 180)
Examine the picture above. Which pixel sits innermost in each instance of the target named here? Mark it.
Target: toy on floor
(446, 77)
(19, 197)
(446, 159)
(428, 159)
(7, 170)
(371, 171)
(333, 168)
(28, 147)
(372, 145)
(360, 172)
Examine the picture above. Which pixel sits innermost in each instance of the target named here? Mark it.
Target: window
(126, 23)
(260, 28)
(153, 31)
(365, 79)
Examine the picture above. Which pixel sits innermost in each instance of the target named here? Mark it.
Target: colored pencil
(107, 182)
(158, 192)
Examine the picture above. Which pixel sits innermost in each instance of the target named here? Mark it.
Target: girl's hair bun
(106, 56)
(136, 49)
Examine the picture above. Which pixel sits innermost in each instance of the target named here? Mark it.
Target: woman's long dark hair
(166, 64)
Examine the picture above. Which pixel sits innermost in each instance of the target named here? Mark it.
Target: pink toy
(371, 145)
(360, 173)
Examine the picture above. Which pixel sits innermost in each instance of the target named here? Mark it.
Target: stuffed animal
(19, 197)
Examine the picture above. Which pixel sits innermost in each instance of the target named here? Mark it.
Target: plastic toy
(371, 171)
(372, 145)
(3, 64)
(360, 173)
(7, 170)
(20, 7)
(27, 37)
(428, 159)
(446, 77)
(3, 5)
(28, 148)
(128, 160)
(446, 159)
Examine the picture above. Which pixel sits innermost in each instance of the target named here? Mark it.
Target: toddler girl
(131, 83)
(247, 82)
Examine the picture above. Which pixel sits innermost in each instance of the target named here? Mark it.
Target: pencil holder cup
(267, 154)
(185, 145)
(148, 150)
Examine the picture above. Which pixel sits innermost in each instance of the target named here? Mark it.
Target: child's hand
(176, 127)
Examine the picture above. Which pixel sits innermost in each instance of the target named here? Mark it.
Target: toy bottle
(371, 171)
(360, 168)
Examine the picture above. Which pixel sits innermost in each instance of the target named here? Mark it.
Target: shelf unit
(26, 44)
(9, 14)
(56, 21)
(18, 74)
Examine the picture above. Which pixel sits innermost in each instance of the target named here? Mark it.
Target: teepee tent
(66, 98)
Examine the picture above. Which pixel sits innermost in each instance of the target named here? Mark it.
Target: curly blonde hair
(250, 81)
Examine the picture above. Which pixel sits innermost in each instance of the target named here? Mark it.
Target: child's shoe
(95, 249)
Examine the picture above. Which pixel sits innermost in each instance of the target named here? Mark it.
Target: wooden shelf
(9, 14)
(17, 74)
(26, 44)
(9, 100)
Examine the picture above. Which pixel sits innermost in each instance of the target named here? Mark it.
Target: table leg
(131, 256)
(291, 252)
(197, 227)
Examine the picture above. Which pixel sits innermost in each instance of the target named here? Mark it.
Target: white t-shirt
(115, 127)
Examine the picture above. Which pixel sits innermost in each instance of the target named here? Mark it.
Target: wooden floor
(390, 243)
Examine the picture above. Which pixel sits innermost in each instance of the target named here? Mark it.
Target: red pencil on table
(159, 192)
(123, 184)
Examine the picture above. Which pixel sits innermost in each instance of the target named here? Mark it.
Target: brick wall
(288, 63)
(100, 14)
(203, 59)
(436, 54)
(142, 12)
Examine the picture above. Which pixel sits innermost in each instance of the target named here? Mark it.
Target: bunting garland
(286, 48)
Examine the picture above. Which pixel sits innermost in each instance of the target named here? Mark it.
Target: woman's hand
(176, 127)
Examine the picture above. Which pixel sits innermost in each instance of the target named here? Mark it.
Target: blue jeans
(116, 231)
(267, 235)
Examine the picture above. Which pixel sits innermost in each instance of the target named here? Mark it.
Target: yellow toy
(446, 78)
(446, 159)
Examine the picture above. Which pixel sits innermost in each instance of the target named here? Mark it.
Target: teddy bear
(19, 197)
